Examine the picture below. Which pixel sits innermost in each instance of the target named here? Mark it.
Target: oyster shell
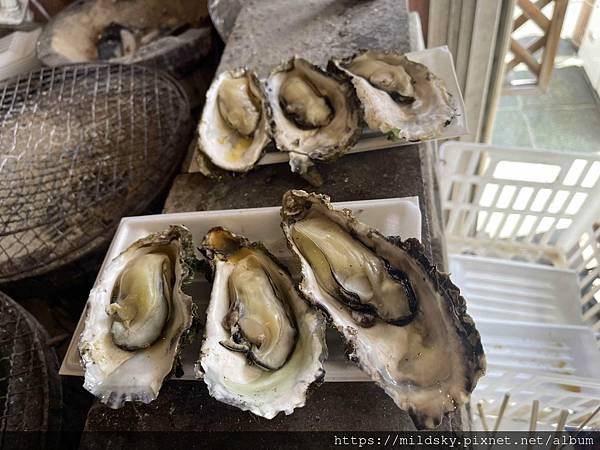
(137, 315)
(234, 128)
(264, 345)
(399, 97)
(315, 114)
(414, 339)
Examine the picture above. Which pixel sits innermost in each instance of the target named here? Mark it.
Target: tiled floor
(566, 118)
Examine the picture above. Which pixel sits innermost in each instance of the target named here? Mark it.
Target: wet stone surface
(395, 172)
(267, 33)
(329, 408)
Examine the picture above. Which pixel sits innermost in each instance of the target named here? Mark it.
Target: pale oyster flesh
(141, 301)
(398, 96)
(351, 272)
(264, 345)
(137, 316)
(314, 115)
(238, 106)
(430, 362)
(234, 128)
(392, 79)
(303, 103)
(258, 319)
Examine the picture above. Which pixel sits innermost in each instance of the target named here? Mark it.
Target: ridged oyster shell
(307, 142)
(428, 365)
(421, 115)
(219, 140)
(231, 376)
(116, 375)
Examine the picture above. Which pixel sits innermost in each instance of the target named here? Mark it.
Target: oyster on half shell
(404, 322)
(399, 97)
(315, 115)
(264, 345)
(137, 316)
(234, 128)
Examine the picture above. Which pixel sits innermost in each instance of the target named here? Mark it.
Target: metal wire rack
(29, 383)
(80, 147)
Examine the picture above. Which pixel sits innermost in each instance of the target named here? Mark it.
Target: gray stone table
(269, 32)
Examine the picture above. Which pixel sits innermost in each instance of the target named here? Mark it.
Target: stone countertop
(402, 171)
(395, 172)
(200, 412)
(330, 407)
(269, 32)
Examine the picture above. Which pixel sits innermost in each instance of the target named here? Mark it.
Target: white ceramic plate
(396, 216)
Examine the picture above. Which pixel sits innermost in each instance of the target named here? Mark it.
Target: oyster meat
(404, 323)
(137, 315)
(315, 114)
(141, 301)
(234, 128)
(399, 97)
(264, 345)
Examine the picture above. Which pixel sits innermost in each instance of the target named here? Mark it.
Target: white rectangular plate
(396, 216)
(439, 61)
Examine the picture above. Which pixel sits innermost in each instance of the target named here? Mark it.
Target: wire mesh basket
(80, 147)
(529, 209)
(29, 385)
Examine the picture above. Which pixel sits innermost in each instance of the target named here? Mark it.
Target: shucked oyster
(405, 323)
(264, 345)
(399, 97)
(234, 128)
(314, 114)
(141, 301)
(137, 315)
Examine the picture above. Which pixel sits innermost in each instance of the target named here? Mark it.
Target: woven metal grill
(29, 383)
(80, 147)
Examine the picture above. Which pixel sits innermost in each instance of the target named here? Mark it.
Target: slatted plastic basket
(529, 205)
(529, 209)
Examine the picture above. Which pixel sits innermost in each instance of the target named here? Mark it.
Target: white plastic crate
(529, 209)
(539, 348)
(556, 364)
(516, 291)
(578, 395)
(529, 205)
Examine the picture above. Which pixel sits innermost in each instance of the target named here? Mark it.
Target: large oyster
(399, 97)
(264, 345)
(234, 128)
(315, 115)
(136, 317)
(405, 323)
